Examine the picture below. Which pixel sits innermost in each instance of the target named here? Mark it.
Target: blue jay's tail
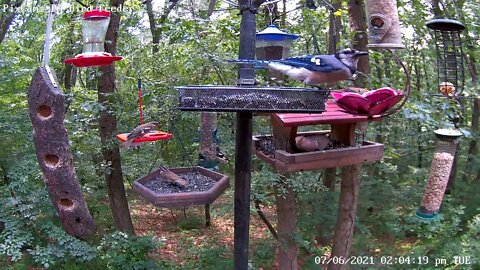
(259, 64)
(250, 61)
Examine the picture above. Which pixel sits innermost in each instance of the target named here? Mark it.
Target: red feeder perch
(154, 135)
(94, 27)
(149, 137)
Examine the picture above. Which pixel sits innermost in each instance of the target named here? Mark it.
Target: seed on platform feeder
(196, 182)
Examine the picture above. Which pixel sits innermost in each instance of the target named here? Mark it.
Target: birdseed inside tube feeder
(383, 25)
(440, 169)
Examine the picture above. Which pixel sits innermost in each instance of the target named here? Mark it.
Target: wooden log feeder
(286, 159)
(47, 112)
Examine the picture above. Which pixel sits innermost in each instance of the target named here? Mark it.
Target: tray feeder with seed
(219, 98)
(180, 187)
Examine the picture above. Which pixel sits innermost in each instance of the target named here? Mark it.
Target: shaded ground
(188, 240)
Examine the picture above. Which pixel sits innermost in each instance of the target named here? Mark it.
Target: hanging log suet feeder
(448, 43)
(442, 162)
(383, 25)
(94, 27)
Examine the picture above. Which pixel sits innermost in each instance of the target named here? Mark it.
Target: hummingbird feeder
(448, 43)
(94, 27)
(442, 162)
(273, 43)
(383, 25)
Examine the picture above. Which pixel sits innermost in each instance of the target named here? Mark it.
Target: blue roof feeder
(272, 43)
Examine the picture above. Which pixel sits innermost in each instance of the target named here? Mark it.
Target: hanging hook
(46, 49)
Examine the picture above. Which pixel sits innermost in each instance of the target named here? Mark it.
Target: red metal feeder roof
(93, 60)
(149, 137)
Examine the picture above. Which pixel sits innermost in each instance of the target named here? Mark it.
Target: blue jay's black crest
(314, 69)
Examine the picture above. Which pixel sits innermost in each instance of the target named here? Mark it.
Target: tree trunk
(358, 26)
(108, 130)
(208, 148)
(346, 215)
(286, 227)
(350, 184)
(334, 28)
(7, 16)
(333, 38)
(153, 26)
(472, 148)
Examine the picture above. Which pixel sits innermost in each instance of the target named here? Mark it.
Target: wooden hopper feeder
(182, 199)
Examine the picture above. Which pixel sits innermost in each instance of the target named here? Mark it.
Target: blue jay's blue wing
(317, 63)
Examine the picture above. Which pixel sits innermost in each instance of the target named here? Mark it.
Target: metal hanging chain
(140, 99)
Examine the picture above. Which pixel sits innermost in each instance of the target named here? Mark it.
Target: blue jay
(314, 69)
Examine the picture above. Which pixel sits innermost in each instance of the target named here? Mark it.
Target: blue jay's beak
(361, 53)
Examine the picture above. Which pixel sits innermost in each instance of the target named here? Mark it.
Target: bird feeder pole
(243, 140)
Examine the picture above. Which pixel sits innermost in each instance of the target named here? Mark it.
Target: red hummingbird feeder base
(149, 137)
(93, 59)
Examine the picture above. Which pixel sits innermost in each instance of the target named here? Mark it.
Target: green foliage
(121, 251)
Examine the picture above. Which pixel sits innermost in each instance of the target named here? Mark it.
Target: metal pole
(243, 147)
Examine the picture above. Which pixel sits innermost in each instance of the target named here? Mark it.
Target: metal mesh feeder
(440, 169)
(448, 43)
(258, 99)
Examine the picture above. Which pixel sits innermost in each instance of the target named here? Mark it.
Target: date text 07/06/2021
(393, 260)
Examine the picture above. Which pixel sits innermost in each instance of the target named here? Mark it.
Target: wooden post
(347, 208)
(286, 228)
(285, 203)
(47, 112)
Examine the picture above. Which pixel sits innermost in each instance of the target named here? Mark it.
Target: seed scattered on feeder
(196, 182)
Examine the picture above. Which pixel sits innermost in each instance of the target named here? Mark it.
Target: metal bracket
(251, 7)
(246, 81)
(50, 75)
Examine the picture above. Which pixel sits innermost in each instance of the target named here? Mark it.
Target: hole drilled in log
(52, 160)
(44, 112)
(78, 219)
(65, 203)
(377, 22)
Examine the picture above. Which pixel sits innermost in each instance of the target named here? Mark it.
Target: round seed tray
(258, 99)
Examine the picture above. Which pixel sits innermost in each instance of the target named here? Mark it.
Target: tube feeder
(442, 162)
(94, 28)
(383, 25)
(448, 43)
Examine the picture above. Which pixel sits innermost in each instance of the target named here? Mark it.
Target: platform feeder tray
(257, 99)
(284, 161)
(181, 199)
